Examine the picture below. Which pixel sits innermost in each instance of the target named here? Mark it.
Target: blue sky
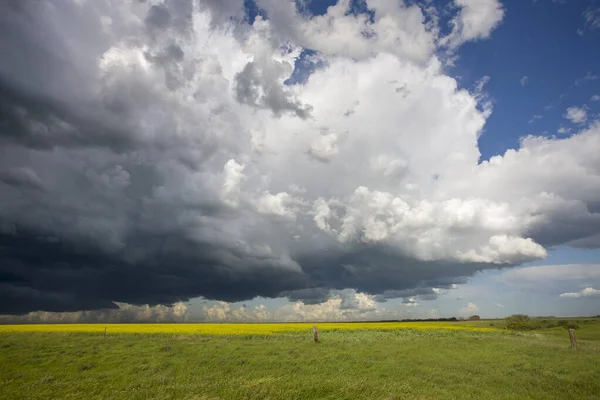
(547, 42)
(299, 160)
(538, 40)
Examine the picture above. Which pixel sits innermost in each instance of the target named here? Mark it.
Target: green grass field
(400, 363)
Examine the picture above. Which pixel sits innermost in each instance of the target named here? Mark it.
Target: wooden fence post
(315, 334)
(104, 332)
(573, 340)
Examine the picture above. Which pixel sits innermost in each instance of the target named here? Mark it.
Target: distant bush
(492, 324)
(474, 318)
(563, 322)
(572, 326)
(550, 326)
(545, 321)
(518, 322)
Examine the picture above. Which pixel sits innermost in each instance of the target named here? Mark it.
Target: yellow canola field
(238, 329)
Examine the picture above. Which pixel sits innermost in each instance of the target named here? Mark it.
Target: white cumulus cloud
(475, 20)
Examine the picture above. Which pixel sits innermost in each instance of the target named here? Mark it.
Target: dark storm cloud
(38, 72)
(575, 226)
(44, 81)
(47, 273)
(382, 271)
(429, 296)
(60, 275)
(40, 271)
(35, 121)
(424, 293)
(53, 94)
(125, 313)
(591, 242)
(308, 296)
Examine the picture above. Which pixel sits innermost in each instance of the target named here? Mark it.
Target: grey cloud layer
(150, 153)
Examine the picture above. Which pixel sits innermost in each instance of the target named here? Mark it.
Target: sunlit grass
(241, 329)
(353, 361)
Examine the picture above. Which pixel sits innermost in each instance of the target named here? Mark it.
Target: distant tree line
(522, 322)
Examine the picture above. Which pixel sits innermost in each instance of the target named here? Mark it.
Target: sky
(277, 160)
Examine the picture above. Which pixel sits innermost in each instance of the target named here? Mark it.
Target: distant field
(279, 361)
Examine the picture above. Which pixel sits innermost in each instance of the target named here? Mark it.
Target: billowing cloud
(152, 152)
(396, 28)
(337, 305)
(475, 20)
(342, 305)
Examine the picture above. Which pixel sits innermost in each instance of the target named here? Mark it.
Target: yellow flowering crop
(238, 329)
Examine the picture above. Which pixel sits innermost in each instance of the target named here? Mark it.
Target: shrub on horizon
(518, 322)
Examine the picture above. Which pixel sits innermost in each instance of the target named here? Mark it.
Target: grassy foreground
(414, 361)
